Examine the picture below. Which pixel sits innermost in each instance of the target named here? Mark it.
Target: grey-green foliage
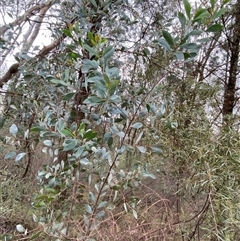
(90, 170)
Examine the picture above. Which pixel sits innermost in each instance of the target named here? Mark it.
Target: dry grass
(155, 222)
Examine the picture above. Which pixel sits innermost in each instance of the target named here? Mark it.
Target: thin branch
(3, 19)
(36, 29)
(13, 42)
(27, 34)
(14, 68)
(116, 158)
(25, 16)
(47, 49)
(42, 53)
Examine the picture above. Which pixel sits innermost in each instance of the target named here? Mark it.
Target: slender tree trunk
(230, 85)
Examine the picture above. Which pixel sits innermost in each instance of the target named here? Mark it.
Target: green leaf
(20, 156)
(146, 52)
(67, 32)
(114, 129)
(187, 7)
(101, 90)
(90, 135)
(226, 1)
(201, 14)
(13, 129)
(164, 43)
(94, 3)
(110, 141)
(28, 77)
(120, 134)
(88, 65)
(102, 204)
(153, 108)
(95, 117)
(69, 144)
(186, 55)
(20, 228)
(219, 13)
(137, 125)
(182, 19)
(112, 72)
(108, 53)
(91, 63)
(215, 28)
(191, 46)
(88, 209)
(90, 36)
(59, 82)
(116, 187)
(47, 143)
(195, 32)
(157, 150)
(81, 129)
(79, 151)
(135, 214)
(95, 79)
(92, 197)
(95, 99)
(184, 40)
(50, 134)
(100, 214)
(10, 155)
(89, 49)
(42, 173)
(67, 132)
(85, 162)
(106, 136)
(212, 3)
(142, 149)
(112, 86)
(179, 55)
(168, 37)
(68, 96)
(38, 129)
(203, 40)
(115, 99)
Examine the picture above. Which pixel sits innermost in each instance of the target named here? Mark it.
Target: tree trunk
(230, 85)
